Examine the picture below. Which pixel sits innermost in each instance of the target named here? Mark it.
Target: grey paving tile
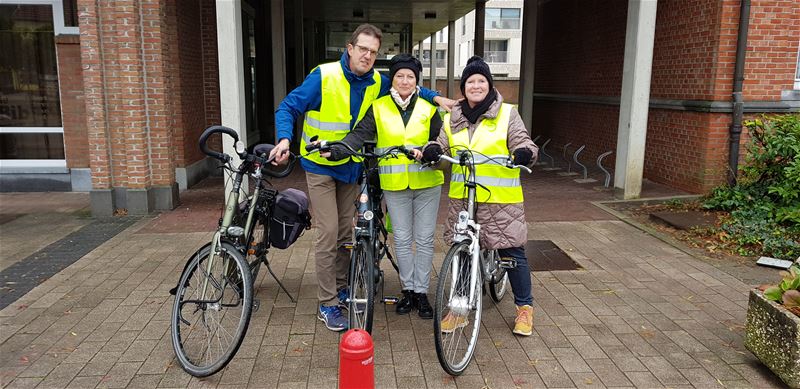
(295, 369)
(644, 379)
(587, 347)
(553, 375)
(586, 380)
(120, 375)
(608, 372)
(237, 372)
(664, 371)
(570, 360)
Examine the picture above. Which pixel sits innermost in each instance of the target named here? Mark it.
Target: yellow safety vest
(402, 173)
(332, 121)
(490, 138)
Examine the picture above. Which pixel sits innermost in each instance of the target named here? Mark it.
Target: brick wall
(772, 44)
(210, 68)
(73, 106)
(125, 50)
(580, 51)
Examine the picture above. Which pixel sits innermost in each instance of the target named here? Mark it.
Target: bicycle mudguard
(174, 290)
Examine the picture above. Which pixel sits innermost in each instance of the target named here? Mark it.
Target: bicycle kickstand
(266, 262)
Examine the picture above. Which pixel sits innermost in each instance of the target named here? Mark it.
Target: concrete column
(635, 99)
(480, 26)
(231, 74)
(433, 61)
(421, 50)
(528, 65)
(278, 52)
(451, 57)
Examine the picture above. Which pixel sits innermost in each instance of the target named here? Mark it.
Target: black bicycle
(366, 279)
(214, 296)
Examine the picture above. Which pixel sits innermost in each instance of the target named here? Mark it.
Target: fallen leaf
(588, 381)
(73, 334)
(24, 359)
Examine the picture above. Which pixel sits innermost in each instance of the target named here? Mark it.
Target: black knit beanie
(476, 65)
(404, 61)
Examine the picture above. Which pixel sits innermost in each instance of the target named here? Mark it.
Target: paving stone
(570, 360)
(644, 379)
(607, 371)
(664, 371)
(553, 375)
(587, 347)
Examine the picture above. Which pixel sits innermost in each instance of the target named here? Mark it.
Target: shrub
(787, 292)
(764, 205)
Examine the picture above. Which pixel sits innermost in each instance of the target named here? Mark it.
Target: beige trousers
(332, 206)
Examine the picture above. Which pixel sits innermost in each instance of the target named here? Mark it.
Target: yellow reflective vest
(332, 121)
(490, 139)
(402, 173)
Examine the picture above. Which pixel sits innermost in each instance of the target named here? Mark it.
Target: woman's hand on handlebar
(280, 153)
(416, 154)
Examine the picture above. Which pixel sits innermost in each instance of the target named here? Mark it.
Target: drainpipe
(738, 101)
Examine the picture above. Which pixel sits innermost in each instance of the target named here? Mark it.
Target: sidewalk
(639, 314)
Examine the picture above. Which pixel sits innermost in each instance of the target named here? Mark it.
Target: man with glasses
(333, 98)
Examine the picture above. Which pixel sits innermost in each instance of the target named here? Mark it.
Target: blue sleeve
(306, 97)
(425, 93)
(428, 94)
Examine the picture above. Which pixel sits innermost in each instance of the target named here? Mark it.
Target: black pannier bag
(289, 219)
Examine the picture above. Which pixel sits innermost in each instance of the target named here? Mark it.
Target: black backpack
(290, 217)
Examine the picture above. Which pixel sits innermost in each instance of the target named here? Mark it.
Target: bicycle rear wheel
(456, 324)
(498, 283)
(208, 327)
(361, 282)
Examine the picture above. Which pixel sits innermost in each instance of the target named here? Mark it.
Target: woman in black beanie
(481, 122)
(412, 194)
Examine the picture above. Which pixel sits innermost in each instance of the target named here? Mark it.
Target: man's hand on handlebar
(280, 152)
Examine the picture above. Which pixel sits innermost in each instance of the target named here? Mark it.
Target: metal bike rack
(569, 171)
(585, 178)
(552, 161)
(600, 165)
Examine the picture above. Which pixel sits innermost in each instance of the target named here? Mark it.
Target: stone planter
(773, 335)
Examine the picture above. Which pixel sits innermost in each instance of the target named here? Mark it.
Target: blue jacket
(308, 97)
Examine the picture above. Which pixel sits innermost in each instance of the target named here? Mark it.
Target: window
(71, 13)
(441, 58)
(496, 51)
(502, 18)
(30, 107)
(797, 72)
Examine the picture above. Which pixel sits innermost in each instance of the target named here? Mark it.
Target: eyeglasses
(364, 50)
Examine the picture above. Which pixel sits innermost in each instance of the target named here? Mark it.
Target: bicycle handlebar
(463, 161)
(216, 154)
(324, 146)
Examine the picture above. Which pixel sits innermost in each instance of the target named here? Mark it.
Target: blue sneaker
(333, 318)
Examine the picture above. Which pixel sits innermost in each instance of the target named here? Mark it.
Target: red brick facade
(580, 52)
(73, 106)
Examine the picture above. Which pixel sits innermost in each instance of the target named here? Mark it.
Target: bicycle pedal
(390, 300)
(508, 263)
(256, 305)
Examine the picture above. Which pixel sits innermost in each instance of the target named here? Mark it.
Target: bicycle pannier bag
(290, 218)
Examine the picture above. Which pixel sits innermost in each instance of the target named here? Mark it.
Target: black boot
(422, 305)
(406, 303)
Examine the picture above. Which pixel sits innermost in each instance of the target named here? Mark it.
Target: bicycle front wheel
(211, 310)
(457, 321)
(361, 281)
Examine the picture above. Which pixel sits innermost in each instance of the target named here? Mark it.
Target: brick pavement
(640, 314)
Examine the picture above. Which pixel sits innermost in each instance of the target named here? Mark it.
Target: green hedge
(764, 205)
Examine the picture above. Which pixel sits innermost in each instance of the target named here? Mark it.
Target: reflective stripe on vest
(490, 138)
(403, 173)
(332, 121)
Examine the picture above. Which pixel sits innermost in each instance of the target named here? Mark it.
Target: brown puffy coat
(502, 225)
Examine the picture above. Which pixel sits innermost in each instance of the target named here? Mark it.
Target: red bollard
(356, 365)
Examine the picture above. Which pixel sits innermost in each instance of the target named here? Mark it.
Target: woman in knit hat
(412, 194)
(482, 123)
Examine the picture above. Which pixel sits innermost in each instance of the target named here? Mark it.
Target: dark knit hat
(476, 65)
(404, 61)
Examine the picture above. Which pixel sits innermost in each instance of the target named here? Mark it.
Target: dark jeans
(520, 277)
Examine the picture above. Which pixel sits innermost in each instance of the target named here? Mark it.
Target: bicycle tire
(453, 357)
(497, 284)
(361, 301)
(228, 279)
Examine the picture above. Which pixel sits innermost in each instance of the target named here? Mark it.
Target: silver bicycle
(459, 294)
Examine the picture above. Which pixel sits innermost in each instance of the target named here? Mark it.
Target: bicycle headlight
(368, 215)
(235, 231)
